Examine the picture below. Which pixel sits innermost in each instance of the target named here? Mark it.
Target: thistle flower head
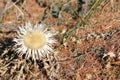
(34, 41)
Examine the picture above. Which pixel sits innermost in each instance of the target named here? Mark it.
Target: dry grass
(88, 37)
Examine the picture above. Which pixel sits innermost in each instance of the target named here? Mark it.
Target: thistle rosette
(34, 41)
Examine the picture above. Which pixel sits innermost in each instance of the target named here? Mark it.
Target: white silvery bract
(34, 41)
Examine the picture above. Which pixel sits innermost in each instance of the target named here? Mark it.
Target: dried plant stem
(18, 9)
(83, 20)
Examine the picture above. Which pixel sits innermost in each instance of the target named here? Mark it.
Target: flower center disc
(34, 40)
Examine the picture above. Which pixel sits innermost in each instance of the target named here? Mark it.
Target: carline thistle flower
(34, 41)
